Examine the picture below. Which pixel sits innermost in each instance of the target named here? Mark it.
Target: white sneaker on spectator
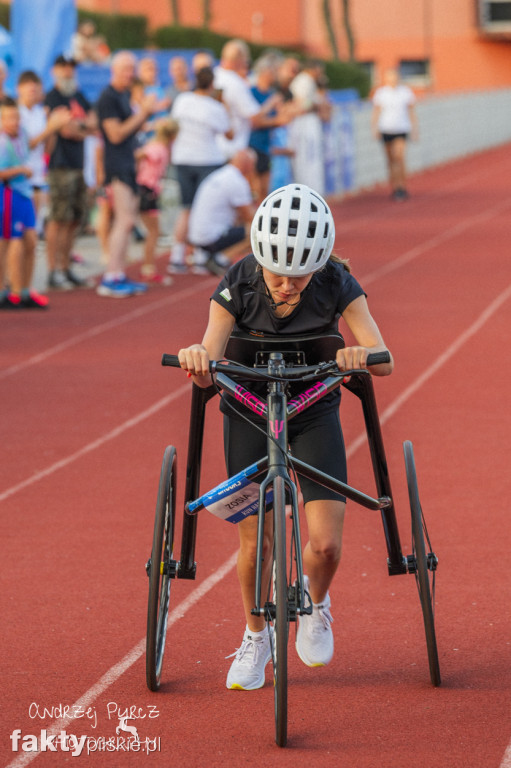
(58, 281)
(314, 638)
(247, 669)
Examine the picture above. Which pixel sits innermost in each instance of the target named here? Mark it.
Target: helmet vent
(305, 256)
(326, 229)
(289, 257)
(293, 227)
(274, 254)
(314, 208)
(295, 204)
(277, 203)
(312, 229)
(260, 224)
(320, 254)
(274, 225)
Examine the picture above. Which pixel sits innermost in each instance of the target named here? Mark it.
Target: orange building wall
(443, 31)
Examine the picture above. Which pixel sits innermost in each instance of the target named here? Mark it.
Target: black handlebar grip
(375, 358)
(171, 360)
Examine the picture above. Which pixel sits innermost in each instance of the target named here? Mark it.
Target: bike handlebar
(295, 372)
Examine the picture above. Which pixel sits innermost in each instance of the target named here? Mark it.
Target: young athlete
(291, 285)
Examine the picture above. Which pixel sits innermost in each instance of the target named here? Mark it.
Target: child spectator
(17, 214)
(33, 122)
(152, 162)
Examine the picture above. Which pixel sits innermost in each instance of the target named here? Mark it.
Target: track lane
(198, 681)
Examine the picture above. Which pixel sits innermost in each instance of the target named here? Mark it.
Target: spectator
(147, 71)
(394, 120)
(119, 126)
(104, 203)
(288, 69)
(306, 130)
(34, 124)
(153, 159)
(222, 207)
(17, 214)
(265, 69)
(3, 77)
(87, 47)
(195, 153)
(246, 114)
(68, 191)
(178, 71)
(200, 60)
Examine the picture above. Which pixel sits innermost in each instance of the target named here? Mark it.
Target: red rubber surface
(86, 414)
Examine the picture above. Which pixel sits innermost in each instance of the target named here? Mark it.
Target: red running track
(86, 414)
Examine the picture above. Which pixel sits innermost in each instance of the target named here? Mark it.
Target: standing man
(119, 126)
(245, 111)
(67, 189)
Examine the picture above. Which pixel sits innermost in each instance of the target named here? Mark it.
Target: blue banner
(41, 30)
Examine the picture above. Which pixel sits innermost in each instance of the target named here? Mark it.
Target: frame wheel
(425, 563)
(160, 569)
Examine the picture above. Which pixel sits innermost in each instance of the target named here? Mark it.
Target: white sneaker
(247, 669)
(314, 638)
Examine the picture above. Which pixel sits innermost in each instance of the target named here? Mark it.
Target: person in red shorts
(17, 214)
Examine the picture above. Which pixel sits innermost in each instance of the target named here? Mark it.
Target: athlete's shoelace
(247, 652)
(323, 612)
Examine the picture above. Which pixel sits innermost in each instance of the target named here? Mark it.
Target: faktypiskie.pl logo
(55, 738)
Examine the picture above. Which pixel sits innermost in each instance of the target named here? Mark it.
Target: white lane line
(128, 424)
(113, 674)
(433, 242)
(435, 366)
(506, 760)
(103, 327)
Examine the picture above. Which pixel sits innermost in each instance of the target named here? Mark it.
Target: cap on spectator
(63, 60)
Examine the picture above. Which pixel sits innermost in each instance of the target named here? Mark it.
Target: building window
(415, 71)
(495, 15)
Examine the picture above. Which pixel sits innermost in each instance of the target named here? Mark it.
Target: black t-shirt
(119, 158)
(242, 293)
(68, 153)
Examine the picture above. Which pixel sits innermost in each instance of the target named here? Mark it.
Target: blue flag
(41, 30)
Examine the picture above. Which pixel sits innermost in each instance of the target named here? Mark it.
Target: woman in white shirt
(195, 152)
(394, 121)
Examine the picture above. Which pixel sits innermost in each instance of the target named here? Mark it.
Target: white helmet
(293, 231)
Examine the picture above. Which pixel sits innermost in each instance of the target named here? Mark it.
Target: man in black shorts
(67, 187)
(119, 126)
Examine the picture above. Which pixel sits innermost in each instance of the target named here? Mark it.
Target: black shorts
(316, 440)
(148, 199)
(263, 162)
(189, 178)
(388, 138)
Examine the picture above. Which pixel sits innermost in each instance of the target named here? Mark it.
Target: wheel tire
(422, 572)
(159, 574)
(281, 620)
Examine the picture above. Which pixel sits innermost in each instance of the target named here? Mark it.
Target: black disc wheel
(423, 563)
(279, 632)
(160, 569)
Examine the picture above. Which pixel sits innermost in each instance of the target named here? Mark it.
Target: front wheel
(159, 569)
(423, 564)
(280, 631)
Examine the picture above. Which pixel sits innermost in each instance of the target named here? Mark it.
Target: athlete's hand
(351, 358)
(195, 360)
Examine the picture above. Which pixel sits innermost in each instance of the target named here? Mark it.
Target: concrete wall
(449, 127)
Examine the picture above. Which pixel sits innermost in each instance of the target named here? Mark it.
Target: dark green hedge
(120, 30)
(5, 15)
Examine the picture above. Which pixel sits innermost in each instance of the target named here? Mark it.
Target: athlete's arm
(368, 336)
(195, 359)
